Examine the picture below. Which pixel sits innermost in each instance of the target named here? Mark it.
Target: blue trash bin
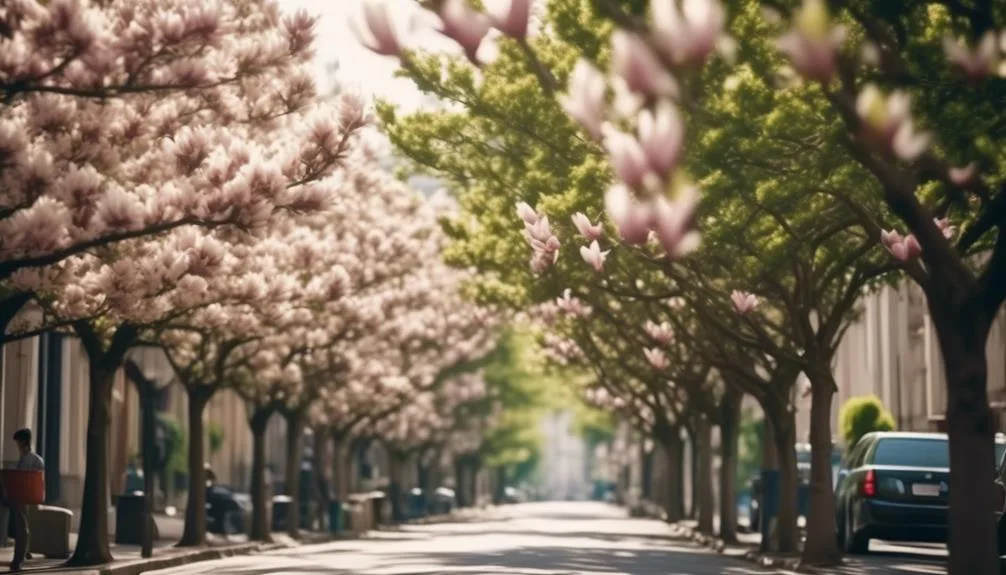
(335, 517)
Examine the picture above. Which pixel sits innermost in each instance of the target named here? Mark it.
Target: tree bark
(194, 533)
(499, 491)
(460, 493)
(92, 541)
(340, 466)
(785, 443)
(670, 441)
(321, 471)
(260, 528)
(294, 433)
(396, 462)
(423, 480)
(972, 542)
(821, 545)
(730, 417)
(693, 472)
(473, 482)
(704, 474)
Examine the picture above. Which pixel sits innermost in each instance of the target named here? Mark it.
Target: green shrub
(216, 436)
(861, 415)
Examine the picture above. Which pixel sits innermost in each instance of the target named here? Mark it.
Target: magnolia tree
(282, 284)
(95, 102)
(237, 170)
(653, 57)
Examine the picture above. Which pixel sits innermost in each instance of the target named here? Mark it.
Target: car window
(912, 452)
(1000, 452)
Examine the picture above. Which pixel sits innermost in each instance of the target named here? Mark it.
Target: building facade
(891, 351)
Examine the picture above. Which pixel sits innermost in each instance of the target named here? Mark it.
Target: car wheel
(853, 543)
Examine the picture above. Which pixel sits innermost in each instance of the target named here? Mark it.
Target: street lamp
(150, 379)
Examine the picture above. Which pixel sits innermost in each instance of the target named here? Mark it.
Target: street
(537, 539)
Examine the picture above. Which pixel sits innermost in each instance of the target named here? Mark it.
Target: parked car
(896, 486)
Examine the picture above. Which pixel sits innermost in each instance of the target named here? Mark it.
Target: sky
(359, 69)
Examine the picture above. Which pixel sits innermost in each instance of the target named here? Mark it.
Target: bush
(861, 415)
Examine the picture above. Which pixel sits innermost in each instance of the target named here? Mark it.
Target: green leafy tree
(862, 415)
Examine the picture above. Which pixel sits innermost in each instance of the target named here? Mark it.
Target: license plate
(925, 490)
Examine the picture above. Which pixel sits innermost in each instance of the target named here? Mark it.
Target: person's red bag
(22, 486)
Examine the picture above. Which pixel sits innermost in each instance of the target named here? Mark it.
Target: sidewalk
(128, 560)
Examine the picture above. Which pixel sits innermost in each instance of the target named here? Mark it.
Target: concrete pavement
(533, 539)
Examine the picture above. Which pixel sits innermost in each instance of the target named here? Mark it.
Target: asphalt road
(533, 539)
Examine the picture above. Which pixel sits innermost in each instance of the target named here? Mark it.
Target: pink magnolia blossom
(672, 221)
(636, 64)
(977, 63)
(943, 224)
(572, 305)
(594, 256)
(584, 100)
(902, 248)
(888, 123)
(657, 358)
(464, 25)
(632, 219)
(964, 176)
(538, 233)
(812, 45)
(662, 136)
(510, 16)
(583, 225)
(381, 37)
(743, 302)
(628, 158)
(687, 35)
(661, 333)
(527, 213)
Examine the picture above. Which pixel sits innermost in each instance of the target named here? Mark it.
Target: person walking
(28, 460)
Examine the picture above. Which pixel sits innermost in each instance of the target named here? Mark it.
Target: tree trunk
(646, 459)
(260, 528)
(396, 463)
(785, 443)
(321, 471)
(970, 425)
(423, 480)
(670, 441)
(473, 482)
(92, 540)
(704, 474)
(459, 483)
(730, 417)
(821, 545)
(341, 466)
(194, 533)
(499, 491)
(294, 432)
(693, 472)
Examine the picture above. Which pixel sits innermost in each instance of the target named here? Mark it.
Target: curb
(183, 558)
(750, 555)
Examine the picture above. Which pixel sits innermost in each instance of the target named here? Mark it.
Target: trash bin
(377, 500)
(129, 519)
(335, 517)
(280, 511)
(417, 503)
